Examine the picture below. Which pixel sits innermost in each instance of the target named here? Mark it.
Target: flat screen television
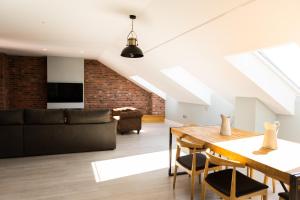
(65, 92)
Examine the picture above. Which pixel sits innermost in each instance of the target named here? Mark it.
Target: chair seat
(186, 161)
(284, 195)
(221, 181)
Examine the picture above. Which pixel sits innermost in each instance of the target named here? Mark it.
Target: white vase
(270, 136)
(225, 126)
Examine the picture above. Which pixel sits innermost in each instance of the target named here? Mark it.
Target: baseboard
(153, 119)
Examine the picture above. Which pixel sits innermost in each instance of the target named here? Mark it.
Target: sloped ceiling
(193, 34)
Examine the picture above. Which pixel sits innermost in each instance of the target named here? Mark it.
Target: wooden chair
(230, 184)
(266, 179)
(284, 196)
(193, 163)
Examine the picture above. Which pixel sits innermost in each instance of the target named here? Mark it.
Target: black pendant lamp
(132, 50)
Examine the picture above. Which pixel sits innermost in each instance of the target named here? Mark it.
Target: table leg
(294, 184)
(170, 152)
(283, 186)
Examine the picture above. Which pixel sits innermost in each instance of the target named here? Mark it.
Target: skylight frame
(260, 54)
(148, 86)
(274, 68)
(189, 82)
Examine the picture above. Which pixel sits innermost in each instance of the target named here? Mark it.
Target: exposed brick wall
(27, 82)
(157, 105)
(104, 88)
(3, 81)
(23, 84)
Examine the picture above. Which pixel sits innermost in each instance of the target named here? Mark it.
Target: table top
(245, 146)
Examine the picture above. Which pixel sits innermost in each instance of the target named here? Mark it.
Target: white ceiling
(193, 34)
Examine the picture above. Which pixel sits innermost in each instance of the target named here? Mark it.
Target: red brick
(27, 82)
(23, 84)
(157, 105)
(105, 88)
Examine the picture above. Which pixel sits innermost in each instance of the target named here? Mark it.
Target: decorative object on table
(270, 136)
(225, 126)
(132, 50)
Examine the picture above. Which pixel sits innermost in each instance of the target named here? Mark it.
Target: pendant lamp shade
(132, 50)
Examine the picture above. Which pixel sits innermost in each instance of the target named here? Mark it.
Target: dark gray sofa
(43, 132)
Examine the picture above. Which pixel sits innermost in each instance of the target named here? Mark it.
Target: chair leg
(266, 180)
(200, 178)
(248, 171)
(274, 185)
(138, 131)
(203, 192)
(174, 178)
(265, 197)
(251, 173)
(192, 186)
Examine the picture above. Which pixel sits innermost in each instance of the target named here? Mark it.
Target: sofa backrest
(88, 116)
(131, 114)
(39, 116)
(11, 117)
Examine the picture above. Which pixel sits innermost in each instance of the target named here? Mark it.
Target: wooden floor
(71, 176)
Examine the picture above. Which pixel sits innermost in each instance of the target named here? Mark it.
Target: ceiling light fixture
(132, 50)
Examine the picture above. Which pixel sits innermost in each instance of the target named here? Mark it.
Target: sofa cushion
(11, 117)
(88, 116)
(52, 116)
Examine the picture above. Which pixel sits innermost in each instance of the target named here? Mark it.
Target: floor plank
(71, 176)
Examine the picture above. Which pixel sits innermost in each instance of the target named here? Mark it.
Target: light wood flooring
(71, 176)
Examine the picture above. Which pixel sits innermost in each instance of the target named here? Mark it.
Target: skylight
(286, 60)
(139, 80)
(189, 82)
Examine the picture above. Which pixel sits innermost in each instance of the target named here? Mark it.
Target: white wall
(263, 114)
(198, 114)
(244, 113)
(282, 95)
(65, 70)
(251, 114)
(290, 125)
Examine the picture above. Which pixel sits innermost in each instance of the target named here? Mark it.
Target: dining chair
(192, 163)
(266, 179)
(283, 196)
(230, 184)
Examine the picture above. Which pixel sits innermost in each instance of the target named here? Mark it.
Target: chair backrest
(187, 144)
(193, 147)
(213, 159)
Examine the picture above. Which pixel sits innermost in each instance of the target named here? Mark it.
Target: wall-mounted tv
(65, 92)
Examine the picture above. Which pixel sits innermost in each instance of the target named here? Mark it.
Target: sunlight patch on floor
(131, 165)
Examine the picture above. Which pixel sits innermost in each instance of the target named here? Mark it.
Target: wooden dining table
(282, 164)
